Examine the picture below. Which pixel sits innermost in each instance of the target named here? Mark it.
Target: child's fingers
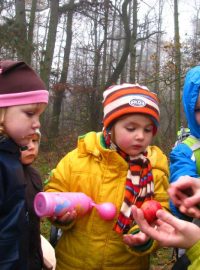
(53, 218)
(65, 217)
(68, 216)
(136, 239)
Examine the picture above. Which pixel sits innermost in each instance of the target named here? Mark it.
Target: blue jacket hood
(190, 95)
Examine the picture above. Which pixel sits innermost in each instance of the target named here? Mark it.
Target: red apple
(149, 209)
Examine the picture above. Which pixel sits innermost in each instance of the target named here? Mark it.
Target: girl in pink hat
(23, 98)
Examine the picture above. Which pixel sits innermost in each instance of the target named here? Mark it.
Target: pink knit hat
(20, 85)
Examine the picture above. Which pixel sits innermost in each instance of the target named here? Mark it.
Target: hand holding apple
(149, 209)
(169, 231)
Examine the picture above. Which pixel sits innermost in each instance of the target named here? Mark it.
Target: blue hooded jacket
(182, 161)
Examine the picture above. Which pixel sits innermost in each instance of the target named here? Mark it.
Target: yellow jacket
(90, 243)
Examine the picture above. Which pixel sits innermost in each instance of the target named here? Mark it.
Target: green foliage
(45, 228)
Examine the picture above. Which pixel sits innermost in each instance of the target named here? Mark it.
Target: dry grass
(162, 259)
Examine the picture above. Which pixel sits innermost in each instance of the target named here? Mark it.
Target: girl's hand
(185, 194)
(168, 230)
(136, 239)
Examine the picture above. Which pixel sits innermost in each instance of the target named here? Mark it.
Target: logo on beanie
(136, 102)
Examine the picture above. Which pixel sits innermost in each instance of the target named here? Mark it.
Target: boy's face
(29, 155)
(197, 111)
(133, 133)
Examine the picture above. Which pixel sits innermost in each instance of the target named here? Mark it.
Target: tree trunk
(58, 96)
(104, 65)
(110, 62)
(30, 31)
(115, 76)
(133, 44)
(48, 54)
(177, 65)
(158, 43)
(94, 104)
(97, 56)
(22, 44)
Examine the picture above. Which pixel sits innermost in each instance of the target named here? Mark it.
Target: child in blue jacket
(183, 157)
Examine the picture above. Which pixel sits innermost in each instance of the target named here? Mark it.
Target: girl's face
(20, 122)
(29, 155)
(133, 133)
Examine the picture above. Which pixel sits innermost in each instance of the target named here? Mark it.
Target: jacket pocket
(9, 251)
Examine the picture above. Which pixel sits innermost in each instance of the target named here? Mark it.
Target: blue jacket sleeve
(182, 162)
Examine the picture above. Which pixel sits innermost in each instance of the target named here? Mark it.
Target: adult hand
(168, 230)
(185, 194)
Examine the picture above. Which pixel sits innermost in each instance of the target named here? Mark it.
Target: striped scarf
(139, 186)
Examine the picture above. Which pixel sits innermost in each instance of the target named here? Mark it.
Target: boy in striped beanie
(119, 166)
(131, 119)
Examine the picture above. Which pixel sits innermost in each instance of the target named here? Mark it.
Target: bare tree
(133, 44)
(30, 31)
(177, 65)
(158, 45)
(20, 24)
(59, 91)
(46, 62)
(125, 18)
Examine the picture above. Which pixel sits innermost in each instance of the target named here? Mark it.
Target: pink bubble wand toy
(48, 204)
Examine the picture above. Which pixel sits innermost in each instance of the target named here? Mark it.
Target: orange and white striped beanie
(127, 98)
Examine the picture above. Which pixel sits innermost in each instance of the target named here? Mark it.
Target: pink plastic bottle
(49, 204)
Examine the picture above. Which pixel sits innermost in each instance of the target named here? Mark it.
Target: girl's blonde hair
(2, 115)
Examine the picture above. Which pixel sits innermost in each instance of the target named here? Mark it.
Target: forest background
(79, 48)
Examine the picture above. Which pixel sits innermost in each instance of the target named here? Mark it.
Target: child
(118, 166)
(182, 157)
(33, 186)
(23, 98)
(172, 232)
